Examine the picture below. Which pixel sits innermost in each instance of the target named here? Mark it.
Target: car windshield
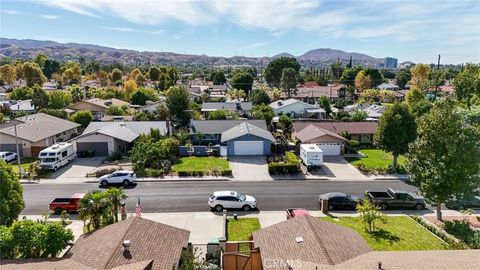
(241, 196)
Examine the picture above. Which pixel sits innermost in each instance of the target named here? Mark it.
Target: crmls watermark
(282, 263)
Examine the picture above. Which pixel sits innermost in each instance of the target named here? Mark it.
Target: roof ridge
(319, 239)
(110, 258)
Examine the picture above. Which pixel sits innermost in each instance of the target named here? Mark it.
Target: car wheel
(246, 207)
(218, 208)
(126, 182)
(419, 206)
(331, 207)
(54, 169)
(58, 210)
(383, 206)
(104, 183)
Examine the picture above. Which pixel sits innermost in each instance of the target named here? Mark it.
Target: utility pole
(438, 63)
(18, 151)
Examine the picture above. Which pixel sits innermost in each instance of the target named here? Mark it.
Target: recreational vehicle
(56, 156)
(311, 155)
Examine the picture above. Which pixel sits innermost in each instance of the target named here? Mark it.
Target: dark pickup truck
(396, 199)
(58, 205)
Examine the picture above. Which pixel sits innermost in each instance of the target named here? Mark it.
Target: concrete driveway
(338, 167)
(249, 168)
(78, 168)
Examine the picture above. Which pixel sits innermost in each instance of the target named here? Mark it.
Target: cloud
(120, 29)
(9, 12)
(49, 17)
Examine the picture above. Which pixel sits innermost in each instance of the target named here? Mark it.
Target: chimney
(126, 245)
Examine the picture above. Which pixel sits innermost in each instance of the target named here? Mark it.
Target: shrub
(226, 172)
(105, 171)
(462, 231)
(283, 168)
(115, 156)
(154, 172)
(369, 214)
(452, 242)
(82, 117)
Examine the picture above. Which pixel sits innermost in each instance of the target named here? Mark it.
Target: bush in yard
(83, 117)
(462, 231)
(369, 214)
(11, 195)
(115, 156)
(452, 242)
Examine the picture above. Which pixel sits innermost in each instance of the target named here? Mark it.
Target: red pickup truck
(296, 212)
(58, 205)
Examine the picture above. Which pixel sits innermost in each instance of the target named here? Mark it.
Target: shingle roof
(219, 126)
(39, 126)
(227, 106)
(150, 240)
(23, 105)
(338, 127)
(311, 132)
(283, 103)
(246, 129)
(318, 91)
(125, 131)
(308, 239)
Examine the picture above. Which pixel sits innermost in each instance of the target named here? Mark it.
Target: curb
(173, 180)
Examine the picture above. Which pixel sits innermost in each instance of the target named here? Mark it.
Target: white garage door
(330, 149)
(248, 148)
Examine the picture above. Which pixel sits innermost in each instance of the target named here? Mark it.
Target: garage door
(11, 148)
(248, 148)
(330, 149)
(100, 148)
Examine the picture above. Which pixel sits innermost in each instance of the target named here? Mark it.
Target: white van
(56, 156)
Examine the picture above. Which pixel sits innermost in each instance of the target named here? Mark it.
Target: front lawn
(242, 229)
(25, 164)
(400, 233)
(375, 158)
(201, 164)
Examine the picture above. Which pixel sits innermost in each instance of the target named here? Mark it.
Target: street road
(193, 196)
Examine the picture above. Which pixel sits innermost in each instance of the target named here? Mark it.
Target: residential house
(330, 142)
(239, 108)
(308, 242)
(152, 106)
(297, 109)
(35, 133)
(237, 137)
(374, 111)
(311, 93)
(97, 106)
(388, 86)
(22, 106)
(105, 138)
(151, 246)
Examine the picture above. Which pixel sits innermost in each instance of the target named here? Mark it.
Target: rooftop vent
(126, 245)
(299, 239)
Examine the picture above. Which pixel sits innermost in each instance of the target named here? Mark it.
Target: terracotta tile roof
(318, 91)
(338, 127)
(150, 241)
(308, 239)
(311, 132)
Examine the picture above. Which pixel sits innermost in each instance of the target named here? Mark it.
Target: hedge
(202, 173)
(452, 242)
(290, 166)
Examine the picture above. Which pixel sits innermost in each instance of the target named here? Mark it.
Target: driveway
(78, 168)
(249, 168)
(338, 167)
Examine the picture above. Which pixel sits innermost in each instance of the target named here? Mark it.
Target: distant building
(391, 62)
(406, 64)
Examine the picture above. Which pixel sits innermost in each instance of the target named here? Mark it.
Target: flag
(138, 209)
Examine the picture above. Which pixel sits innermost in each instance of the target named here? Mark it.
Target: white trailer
(311, 155)
(56, 156)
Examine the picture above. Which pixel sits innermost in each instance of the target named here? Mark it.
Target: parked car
(338, 200)
(8, 156)
(463, 203)
(119, 177)
(296, 212)
(396, 199)
(58, 205)
(220, 200)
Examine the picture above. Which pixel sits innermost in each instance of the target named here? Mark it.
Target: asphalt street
(193, 196)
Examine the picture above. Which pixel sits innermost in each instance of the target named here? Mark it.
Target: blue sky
(408, 30)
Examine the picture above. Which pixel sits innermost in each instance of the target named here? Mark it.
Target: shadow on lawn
(383, 235)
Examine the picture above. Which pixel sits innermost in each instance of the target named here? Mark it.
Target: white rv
(311, 155)
(56, 156)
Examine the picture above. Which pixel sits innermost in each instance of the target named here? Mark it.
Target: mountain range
(28, 49)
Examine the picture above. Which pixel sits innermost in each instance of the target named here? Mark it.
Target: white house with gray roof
(240, 108)
(297, 109)
(104, 138)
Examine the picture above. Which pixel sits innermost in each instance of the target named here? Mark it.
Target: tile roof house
(240, 108)
(153, 246)
(239, 137)
(330, 142)
(297, 109)
(97, 106)
(104, 138)
(310, 93)
(35, 133)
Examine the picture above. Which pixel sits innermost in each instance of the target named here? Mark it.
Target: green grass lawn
(205, 164)
(400, 233)
(242, 229)
(25, 164)
(376, 158)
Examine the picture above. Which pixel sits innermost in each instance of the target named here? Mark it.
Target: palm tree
(95, 208)
(116, 196)
(199, 137)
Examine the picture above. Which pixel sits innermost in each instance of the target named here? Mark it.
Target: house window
(365, 138)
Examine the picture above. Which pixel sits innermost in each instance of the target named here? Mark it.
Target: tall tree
(288, 81)
(243, 81)
(95, 208)
(11, 194)
(445, 158)
(178, 103)
(218, 77)
(349, 75)
(116, 75)
(59, 99)
(375, 76)
(8, 74)
(260, 96)
(273, 72)
(402, 77)
(116, 196)
(50, 67)
(82, 117)
(363, 81)
(76, 92)
(39, 97)
(33, 74)
(396, 129)
(324, 103)
(414, 96)
(153, 73)
(264, 112)
(130, 86)
(467, 84)
(420, 77)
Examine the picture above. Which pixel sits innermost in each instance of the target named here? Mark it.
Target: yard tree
(59, 99)
(217, 77)
(8, 74)
(33, 74)
(359, 116)
(50, 67)
(39, 97)
(21, 93)
(95, 209)
(288, 81)
(40, 59)
(116, 197)
(260, 96)
(363, 81)
(273, 72)
(396, 130)
(276, 94)
(436, 78)
(130, 86)
(178, 104)
(445, 158)
(161, 113)
(402, 77)
(374, 75)
(76, 92)
(139, 97)
(217, 115)
(82, 117)
(72, 74)
(116, 75)
(237, 94)
(414, 96)
(467, 84)
(11, 202)
(242, 81)
(153, 73)
(134, 73)
(369, 214)
(285, 123)
(264, 112)
(420, 77)
(349, 75)
(324, 103)
(115, 110)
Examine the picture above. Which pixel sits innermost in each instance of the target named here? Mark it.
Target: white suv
(231, 199)
(8, 156)
(119, 177)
